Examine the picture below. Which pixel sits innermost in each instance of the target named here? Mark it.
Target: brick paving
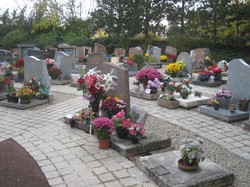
(70, 157)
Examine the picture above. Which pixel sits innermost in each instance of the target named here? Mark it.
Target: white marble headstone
(64, 62)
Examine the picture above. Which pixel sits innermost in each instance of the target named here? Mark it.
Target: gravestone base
(246, 125)
(153, 65)
(152, 142)
(33, 103)
(207, 83)
(163, 169)
(224, 115)
(78, 124)
(192, 101)
(3, 96)
(59, 82)
(143, 95)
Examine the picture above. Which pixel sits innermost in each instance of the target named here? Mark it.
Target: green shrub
(139, 60)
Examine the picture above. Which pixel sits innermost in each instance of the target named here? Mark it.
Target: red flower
(90, 81)
(81, 80)
(93, 90)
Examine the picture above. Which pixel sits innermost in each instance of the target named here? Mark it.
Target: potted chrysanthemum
(103, 127)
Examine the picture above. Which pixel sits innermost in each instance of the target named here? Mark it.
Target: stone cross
(34, 68)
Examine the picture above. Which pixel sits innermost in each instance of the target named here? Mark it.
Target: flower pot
(121, 132)
(217, 76)
(15, 99)
(216, 107)
(153, 90)
(224, 103)
(186, 166)
(9, 98)
(24, 101)
(95, 105)
(244, 105)
(184, 96)
(134, 139)
(104, 144)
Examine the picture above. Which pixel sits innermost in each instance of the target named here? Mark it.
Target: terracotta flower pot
(104, 144)
(24, 101)
(187, 167)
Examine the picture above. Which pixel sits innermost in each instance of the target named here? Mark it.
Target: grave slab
(3, 96)
(246, 125)
(224, 115)
(192, 101)
(163, 169)
(33, 103)
(207, 84)
(143, 95)
(153, 142)
(59, 82)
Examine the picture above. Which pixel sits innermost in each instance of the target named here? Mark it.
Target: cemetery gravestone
(238, 80)
(120, 52)
(156, 53)
(122, 89)
(86, 50)
(135, 51)
(70, 50)
(95, 60)
(34, 67)
(169, 50)
(184, 56)
(198, 56)
(49, 51)
(36, 53)
(6, 56)
(99, 48)
(23, 49)
(64, 63)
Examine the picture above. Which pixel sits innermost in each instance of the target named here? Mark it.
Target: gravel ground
(214, 152)
(237, 165)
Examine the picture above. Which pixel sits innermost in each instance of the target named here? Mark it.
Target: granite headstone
(64, 63)
(99, 48)
(23, 49)
(86, 50)
(198, 56)
(169, 50)
(184, 56)
(49, 51)
(95, 60)
(155, 52)
(6, 56)
(70, 50)
(135, 51)
(36, 53)
(34, 67)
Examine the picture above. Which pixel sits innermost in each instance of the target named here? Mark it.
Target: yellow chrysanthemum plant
(24, 93)
(173, 69)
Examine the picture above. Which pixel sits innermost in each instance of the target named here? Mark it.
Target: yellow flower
(163, 57)
(173, 68)
(146, 55)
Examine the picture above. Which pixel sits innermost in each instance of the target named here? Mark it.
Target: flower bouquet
(122, 124)
(136, 131)
(204, 75)
(49, 62)
(113, 105)
(25, 94)
(42, 92)
(103, 127)
(191, 154)
(224, 97)
(153, 85)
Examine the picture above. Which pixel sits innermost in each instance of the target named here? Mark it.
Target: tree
(13, 38)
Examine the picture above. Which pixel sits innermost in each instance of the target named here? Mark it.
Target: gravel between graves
(234, 163)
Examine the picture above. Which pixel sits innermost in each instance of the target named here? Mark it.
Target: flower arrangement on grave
(153, 85)
(94, 85)
(172, 56)
(25, 94)
(204, 75)
(176, 69)
(54, 72)
(3, 82)
(208, 61)
(112, 105)
(184, 88)
(42, 92)
(217, 73)
(103, 127)
(11, 94)
(224, 97)
(163, 58)
(33, 84)
(85, 115)
(49, 62)
(129, 60)
(20, 73)
(146, 74)
(191, 153)
(6, 70)
(232, 108)
(136, 131)
(122, 123)
(19, 63)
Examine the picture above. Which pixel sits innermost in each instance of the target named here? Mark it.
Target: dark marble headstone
(122, 89)
(99, 48)
(34, 67)
(135, 51)
(5, 56)
(36, 53)
(239, 80)
(95, 60)
(49, 51)
(23, 49)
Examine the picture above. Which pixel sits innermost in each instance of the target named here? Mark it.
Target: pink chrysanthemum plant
(121, 121)
(136, 130)
(103, 127)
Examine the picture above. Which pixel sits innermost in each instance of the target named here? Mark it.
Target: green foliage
(139, 60)
(51, 38)
(13, 38)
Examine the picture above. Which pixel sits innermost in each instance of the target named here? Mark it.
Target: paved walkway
(70, 157)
